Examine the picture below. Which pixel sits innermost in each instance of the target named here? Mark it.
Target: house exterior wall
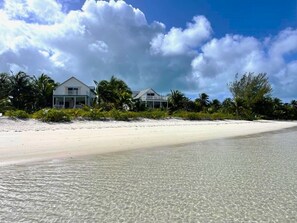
(79, 95)
(151, 99)
(150, 95)
(63, 89)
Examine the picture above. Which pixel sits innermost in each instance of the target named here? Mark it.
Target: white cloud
(284, 43)
(178, 41)
(221, 59)
(98, 46)
(113, 38)
(45, 11)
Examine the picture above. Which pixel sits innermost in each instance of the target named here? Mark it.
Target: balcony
(154, 98)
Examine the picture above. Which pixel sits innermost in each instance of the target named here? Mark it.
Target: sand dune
(26, 141)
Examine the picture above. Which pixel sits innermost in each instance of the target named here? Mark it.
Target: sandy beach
(30, 140)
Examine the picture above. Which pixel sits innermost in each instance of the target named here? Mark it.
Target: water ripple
(251, 179)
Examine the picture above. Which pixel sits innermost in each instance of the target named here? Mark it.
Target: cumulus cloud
(221, 59)
(102, 39)
(107, 38)
(45, 11)
(178, 41)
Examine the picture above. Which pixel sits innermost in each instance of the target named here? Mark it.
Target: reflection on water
(234, 180)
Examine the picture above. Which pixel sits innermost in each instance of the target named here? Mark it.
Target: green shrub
(202, 116)
(94, 114)
(122, 115)
(77, 113)
(194, 116)
(222, 116)
(5, 105)
(189, 115)
(52, 115)
(154, 114)
(17, 114)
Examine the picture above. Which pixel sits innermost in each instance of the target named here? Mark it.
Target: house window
(72, 91)
(150, 94)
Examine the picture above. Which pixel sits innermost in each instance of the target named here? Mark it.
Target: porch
(71, 101)
(155, 101)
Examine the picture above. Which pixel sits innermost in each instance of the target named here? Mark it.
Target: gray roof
(134, 93)
(76, 80)
(141, 93)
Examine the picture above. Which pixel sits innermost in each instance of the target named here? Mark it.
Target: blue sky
(194, 46)
(259, 18)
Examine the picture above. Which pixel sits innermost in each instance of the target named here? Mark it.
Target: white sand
(25, 141)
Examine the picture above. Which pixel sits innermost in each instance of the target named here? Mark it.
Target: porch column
(74, 101)
(53, 101)
(86, 101)
(153, 103)
(64, 102)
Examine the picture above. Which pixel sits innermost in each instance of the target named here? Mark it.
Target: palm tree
(294, 103)
(113, 94)
(22, 91)
(215, 105)
(5, 85)
(43, 88)
(228, 106)
(278, 108)
(203, 101)
(294, 106)
(177, 100)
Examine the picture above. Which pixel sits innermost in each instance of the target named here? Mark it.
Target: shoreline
(32, 141)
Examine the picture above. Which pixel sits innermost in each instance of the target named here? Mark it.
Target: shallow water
(249, 179)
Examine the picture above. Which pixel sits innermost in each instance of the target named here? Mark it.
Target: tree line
(251, 97)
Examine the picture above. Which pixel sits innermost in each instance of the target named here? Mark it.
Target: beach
(148, 171)
(31, 140)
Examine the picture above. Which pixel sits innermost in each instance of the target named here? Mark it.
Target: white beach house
(73, 93)
(151, 99)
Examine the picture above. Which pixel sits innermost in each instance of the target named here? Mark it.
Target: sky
(193, 46)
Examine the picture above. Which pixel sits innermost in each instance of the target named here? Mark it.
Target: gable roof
(134, 93)
(143, 92)
(90, 87)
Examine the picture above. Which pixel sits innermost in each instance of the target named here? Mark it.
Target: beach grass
(67, 115)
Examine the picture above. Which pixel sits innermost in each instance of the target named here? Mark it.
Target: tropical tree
(294, 103)
(214, 105)
(43, 91)
(114, 93)
(228, 106)
(202, 101)
(177, 100)
(22, 92)
(294, 108)
(278, 108)
(264, 108)
(5, 85)
(248, 90)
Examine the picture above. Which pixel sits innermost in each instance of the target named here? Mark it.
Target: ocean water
(247, 179)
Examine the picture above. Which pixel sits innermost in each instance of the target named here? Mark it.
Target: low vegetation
(67, 115)
(203, 116)
(17, 114)
(52, 115)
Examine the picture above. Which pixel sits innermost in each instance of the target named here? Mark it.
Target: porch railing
(154, 98)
